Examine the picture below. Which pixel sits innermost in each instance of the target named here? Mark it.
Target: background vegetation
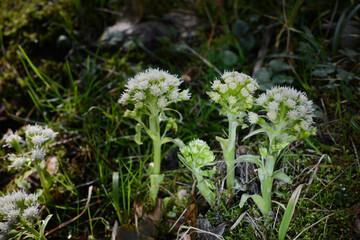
(54, 70)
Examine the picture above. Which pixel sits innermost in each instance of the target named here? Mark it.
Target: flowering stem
(156, 178)
(266, 184)
(25, 224)
(229, 153)
(46, 182)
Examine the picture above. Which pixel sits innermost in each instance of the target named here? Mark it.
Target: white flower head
(253, 118)
(290, 103)
(162, 102)
(223, 88)
(272, 115)
(273, 106)
(31, 212)
(37, 135)
(245, 92)
(39, 139)
(232, 100)
(262, 99)
(12, 139)
(293, 115)
(32, 130)
(216, 84)
(17, 162)
(38, 153)
(234, 91)
(153, 86)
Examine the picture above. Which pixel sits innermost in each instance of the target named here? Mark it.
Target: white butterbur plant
(19, 217)
(287, 116)
(196, 156)
(31, 152)
(234, 92)
(150, 94)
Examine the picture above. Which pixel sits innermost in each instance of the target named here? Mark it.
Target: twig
(73, 219)
(356, 153)
(198, 230)
(238, 221)
(203, 59)
(305, 229)
(182, 214)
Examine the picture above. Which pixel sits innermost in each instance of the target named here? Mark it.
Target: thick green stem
(229, 153)
(156, 178)
(266, 184)
(46, 182)
(266, 189)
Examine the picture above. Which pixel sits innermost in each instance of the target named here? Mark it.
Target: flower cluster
(36, 139)
(17, 204)
(12, 139)
(197, 153)
(288, 106)
(37, 136)
(234, 92)
(151, 89)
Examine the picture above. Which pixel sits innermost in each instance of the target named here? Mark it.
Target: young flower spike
(234, 92)
(151, 93)
(196, 155)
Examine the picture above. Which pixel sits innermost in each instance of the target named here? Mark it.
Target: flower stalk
(150, 93)
(234, 92)
(289, 116)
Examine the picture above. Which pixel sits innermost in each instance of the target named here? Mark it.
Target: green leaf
(240, 28)
(250, 159)
(208, 173)
(166, 140)
(257, 199)
(43, 225)
(138, 133)
(279, 66)
(223, 143)
(282, 176)
(290, 209)
(261, 130)
(115, 194)
(228, 57)
(178, 142)
(25, 175)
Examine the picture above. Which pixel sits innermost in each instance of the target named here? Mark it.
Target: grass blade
(115, 194)
(289, 212)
